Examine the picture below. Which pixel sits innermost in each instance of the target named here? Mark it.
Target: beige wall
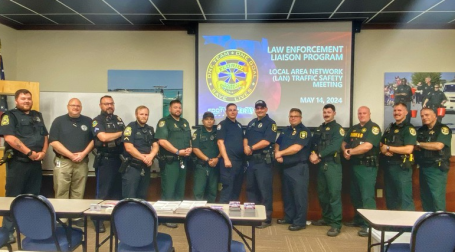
(78, 60)
(9, 36)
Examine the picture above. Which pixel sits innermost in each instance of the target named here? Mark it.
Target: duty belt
(109, 155)
(61, 156)
(136, 163)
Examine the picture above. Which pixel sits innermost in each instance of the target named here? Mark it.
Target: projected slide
(288, 65)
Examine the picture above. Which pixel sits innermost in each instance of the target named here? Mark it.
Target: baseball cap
(208, 114)
(260, 103)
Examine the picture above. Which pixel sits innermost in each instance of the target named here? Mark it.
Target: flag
(3, 102)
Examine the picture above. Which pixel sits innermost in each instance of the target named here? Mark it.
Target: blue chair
(431, 232)
(209, 230)
(135, 224)
(34, 217)
(4, 235)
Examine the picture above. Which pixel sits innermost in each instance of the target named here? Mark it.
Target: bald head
(363, 113)
(74, 107)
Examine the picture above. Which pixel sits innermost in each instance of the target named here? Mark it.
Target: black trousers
(295, 180)
(135, 182)
(21, 178)
(231, 180)
(259, 185)
(109, 179)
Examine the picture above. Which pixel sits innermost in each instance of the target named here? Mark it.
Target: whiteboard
(53, 105)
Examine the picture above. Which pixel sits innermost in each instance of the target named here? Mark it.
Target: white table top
(64, 206)
(390, 218)
(259, 214)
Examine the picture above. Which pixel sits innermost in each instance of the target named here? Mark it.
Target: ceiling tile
(310, 16)
(88, 6)
(308, 6)
(184, 17)
(225, 17)
(178, 6)
(133, 6)
(434, 18)
(268, 16)
(8, 7)
(31, 19)
(113, 19)
(269, 6)
(223, 7)
(145, 19)
(447, 5)
(73, 19)
(394, 17)
(411, 5)
(44, 6)
(362, 6)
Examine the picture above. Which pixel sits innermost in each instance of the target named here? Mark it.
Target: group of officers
(224, 154)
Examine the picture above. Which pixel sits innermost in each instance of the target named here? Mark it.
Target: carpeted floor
(276, 238)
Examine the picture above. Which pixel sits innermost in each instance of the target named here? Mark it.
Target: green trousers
(363, 183)
(206, 182)
(329, 192)
(398, 187)
(173, 179)
(433, 182)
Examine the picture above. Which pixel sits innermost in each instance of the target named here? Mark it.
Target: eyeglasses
(108, 104)
(294, 116)
(75, 106)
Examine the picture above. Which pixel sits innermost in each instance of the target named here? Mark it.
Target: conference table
(237, 218)
(64, 208)
(388, 220)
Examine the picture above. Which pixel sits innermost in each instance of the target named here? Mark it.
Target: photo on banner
(167, 82)
(435, 90)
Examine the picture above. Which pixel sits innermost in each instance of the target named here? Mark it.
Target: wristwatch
(387, 147)
(417, 143)
(177, 152)
(29, 153)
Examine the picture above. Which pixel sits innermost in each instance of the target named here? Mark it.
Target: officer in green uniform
(205, 148)
(425, 88)
(326, 153)
(174, 137)
(361, 147)
(403, 94)
(396, 147)
(432, 153)
(435, 100)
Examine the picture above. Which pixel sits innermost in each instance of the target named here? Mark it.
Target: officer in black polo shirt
(71, 138)
(107, 129)
(26, 138)
(141, 148)
(205, 148)
(260, 135)
(230, 139)
(292, 150)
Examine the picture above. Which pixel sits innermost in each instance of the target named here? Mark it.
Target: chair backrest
(208, 230)
(34, 216)
(434, 232)
(135, 222)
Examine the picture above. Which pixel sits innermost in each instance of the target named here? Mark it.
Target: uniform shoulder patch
(194, 135)
(274, 127)
(161, 124)
(303, 134)
(412, 131)
(5, 120)
(444, 130)
(342, 132)
(94, 123)
(127, 131)
(218, 127)
(375, 130)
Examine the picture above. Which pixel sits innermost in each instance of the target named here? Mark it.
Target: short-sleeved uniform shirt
(29, 128)
(264, 129)
(436, 97)
(205, 141)
(426, 89)
(142, 137)
(232, 134)
(439, 133)
(403, 93)
(368, 133)
(108, 124)
(295, 135)
(73, 133)
(399, 135)
(178, 133)
(329, 137)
